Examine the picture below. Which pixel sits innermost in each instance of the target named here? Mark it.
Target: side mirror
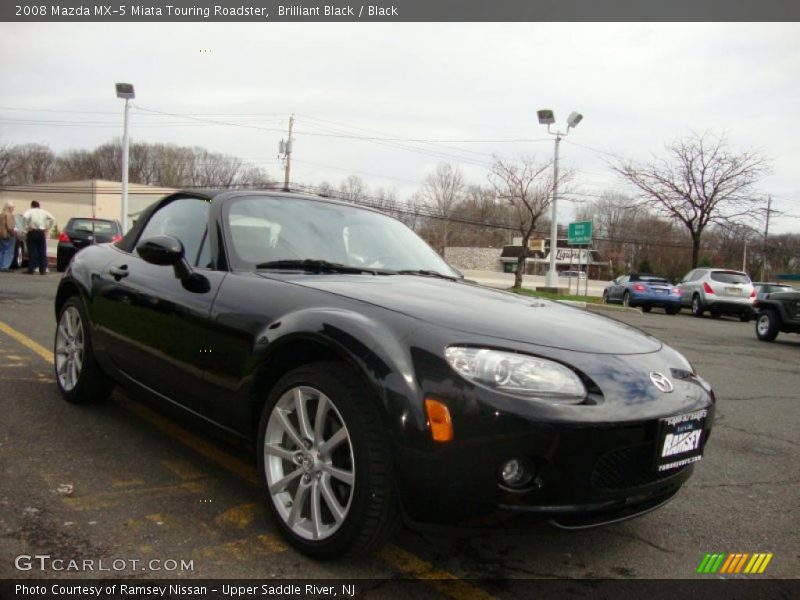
(165, 250)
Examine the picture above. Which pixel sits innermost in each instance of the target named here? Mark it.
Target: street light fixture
(125, 91)
(546, 117)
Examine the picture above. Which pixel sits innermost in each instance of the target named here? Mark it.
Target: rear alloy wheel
(79, 377)
(324, 461)
(697, 306)
(767, 326)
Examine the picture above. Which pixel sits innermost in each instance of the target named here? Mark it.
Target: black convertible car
(372, 380)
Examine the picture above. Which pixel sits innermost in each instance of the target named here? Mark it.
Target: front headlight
(517, 374)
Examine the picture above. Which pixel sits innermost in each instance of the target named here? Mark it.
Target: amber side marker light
(439, 419)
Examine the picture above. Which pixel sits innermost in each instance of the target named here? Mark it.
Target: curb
(612, 308)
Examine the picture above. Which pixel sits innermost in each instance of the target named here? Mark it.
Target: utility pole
(288, 156)
(766, 233)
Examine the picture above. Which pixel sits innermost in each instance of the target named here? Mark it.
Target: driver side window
(185, 219)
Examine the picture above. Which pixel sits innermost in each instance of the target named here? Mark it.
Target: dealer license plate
(680, 440)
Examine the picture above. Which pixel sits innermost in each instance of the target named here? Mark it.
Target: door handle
(119, 272)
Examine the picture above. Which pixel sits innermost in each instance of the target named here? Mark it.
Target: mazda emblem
(661, 382)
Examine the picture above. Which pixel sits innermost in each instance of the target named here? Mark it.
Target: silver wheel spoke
(337, 438)
(302, 414)
(73, 372)
(341, 475)
(289, 429)
(298, 501)
(280, 452)
(280, 485)
(316, 513)
(330, 499)
(319, 421)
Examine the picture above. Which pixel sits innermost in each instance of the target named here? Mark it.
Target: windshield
(265, 229)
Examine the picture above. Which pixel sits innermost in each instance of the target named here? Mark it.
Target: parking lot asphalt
(126, 480)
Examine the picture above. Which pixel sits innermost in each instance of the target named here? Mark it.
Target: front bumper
(596, 474)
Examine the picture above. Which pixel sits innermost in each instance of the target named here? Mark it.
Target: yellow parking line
(442, 581)
(27, 342)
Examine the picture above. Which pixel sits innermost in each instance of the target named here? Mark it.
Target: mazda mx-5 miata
(372, 380)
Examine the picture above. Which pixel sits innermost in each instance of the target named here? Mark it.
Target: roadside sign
(579, 233)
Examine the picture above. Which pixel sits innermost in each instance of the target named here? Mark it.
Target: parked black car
(82, 232)
(372, 380)
(778, 311)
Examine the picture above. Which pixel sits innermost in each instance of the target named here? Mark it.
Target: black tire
(647, 308)
(697, 306)
(605, 297)
(767, 325)
(672, 310)
(745, 317)
(92, 384)
(373, 512)
(626, 300)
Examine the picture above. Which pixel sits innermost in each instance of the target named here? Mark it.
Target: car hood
(485, 312)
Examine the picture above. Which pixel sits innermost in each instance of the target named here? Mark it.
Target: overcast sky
(638, 86)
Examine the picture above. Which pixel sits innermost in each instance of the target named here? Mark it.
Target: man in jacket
(38, 223)
(8, 241)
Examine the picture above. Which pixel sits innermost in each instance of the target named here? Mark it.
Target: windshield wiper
(427, 273)
(317, 265)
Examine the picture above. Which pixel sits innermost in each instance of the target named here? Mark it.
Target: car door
(688, 287)
(151, 323)
(618, 288)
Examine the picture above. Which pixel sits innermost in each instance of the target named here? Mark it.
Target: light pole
(125, 90)
(546, 117)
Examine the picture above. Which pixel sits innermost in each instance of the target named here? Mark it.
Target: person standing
(38, 223)
(8, 238)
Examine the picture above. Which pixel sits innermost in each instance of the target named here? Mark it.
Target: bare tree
(24, 164)
(698, 181)
(353, 189)
(527, 187)
(442, 189)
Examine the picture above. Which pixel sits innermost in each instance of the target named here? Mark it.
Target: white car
(718, 291)
(572, 274)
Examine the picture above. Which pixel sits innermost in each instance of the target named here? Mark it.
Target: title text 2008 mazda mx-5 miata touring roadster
(373, 381)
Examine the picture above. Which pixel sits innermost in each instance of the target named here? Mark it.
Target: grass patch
(551, 296)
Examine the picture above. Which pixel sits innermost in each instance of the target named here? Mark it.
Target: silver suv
(718, 291)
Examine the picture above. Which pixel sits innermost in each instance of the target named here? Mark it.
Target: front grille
(628, 468)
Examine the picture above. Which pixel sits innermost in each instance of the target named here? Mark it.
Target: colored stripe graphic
(721, 562)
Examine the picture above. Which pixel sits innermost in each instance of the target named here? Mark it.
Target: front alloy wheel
(325, 461)
(308, 461)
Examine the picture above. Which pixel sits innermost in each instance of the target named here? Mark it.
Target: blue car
(645, 291)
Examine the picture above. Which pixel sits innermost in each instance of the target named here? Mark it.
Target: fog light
(516, 473)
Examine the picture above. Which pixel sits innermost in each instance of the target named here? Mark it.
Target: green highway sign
(579, 233)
